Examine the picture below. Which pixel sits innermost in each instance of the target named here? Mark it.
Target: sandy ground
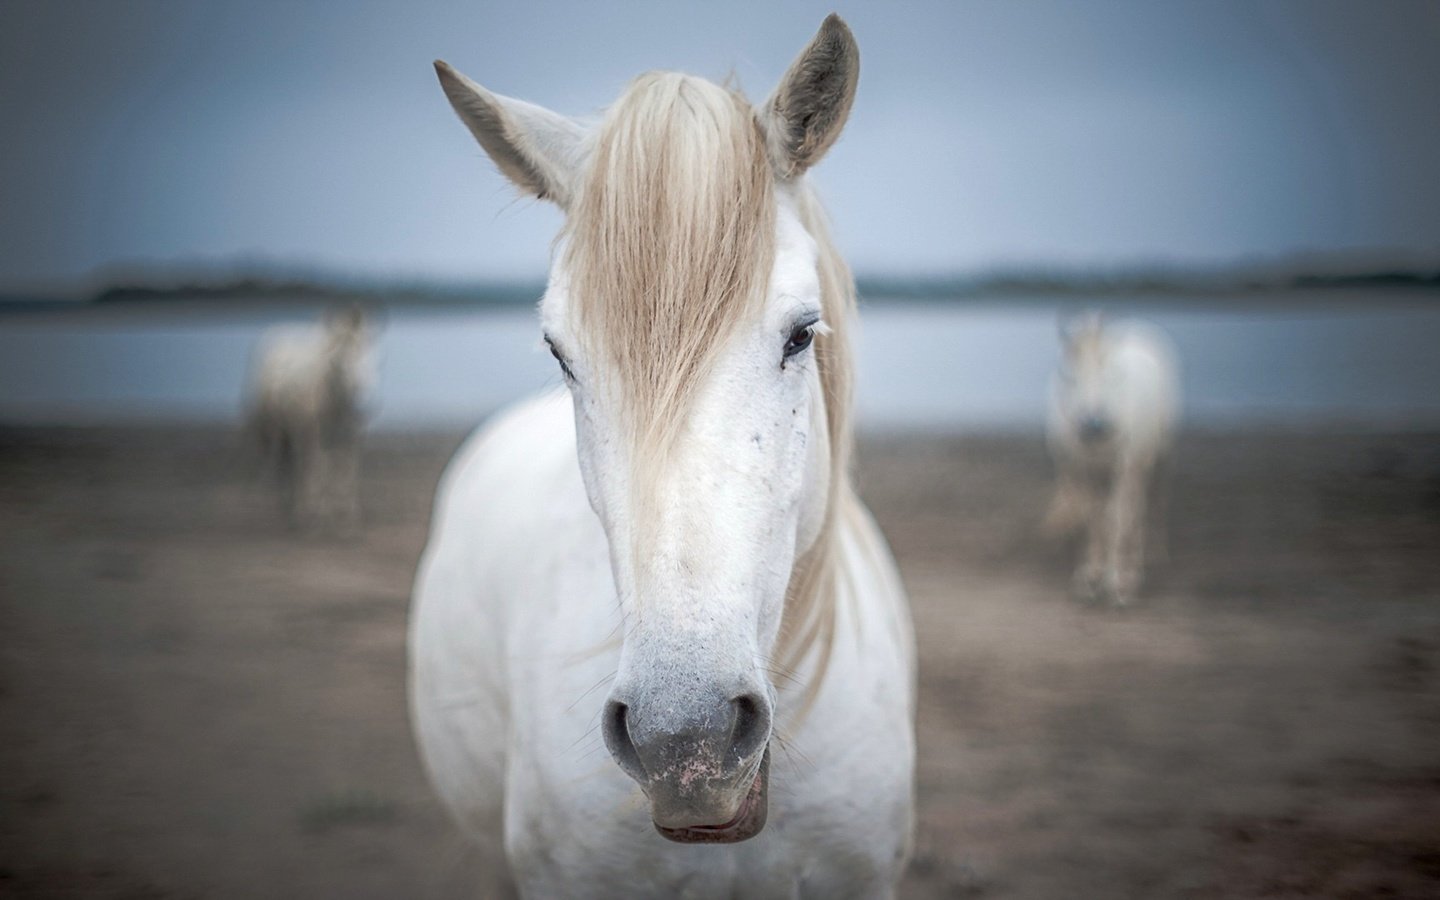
(198, 703)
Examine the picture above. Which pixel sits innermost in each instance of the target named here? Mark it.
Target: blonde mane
(670, 243)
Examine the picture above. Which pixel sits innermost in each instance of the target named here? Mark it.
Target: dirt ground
(196, 702)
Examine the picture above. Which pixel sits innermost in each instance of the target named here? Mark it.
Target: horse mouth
(748, 821)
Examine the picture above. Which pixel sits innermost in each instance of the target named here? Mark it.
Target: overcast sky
(997, 133)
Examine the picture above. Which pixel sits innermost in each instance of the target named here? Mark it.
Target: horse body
(1111, 423)
(306, 410)
(667, 561)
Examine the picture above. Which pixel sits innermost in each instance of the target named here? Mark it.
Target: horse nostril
(1094, 428)
(752, 725)
(616, 729)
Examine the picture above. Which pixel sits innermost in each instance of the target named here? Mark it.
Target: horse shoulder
(485, 558)
(491, 502)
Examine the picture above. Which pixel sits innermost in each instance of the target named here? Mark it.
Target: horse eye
(564, 366)
(799, 339)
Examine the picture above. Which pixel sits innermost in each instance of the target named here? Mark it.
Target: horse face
(703, 542)
(1085, 387)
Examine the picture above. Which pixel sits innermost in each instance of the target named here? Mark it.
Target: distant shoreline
(307, 299)
(221, 290)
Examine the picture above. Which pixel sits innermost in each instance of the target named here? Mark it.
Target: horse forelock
(671, 241)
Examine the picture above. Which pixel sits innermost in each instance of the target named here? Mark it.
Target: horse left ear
(809, 107)
(540, 151)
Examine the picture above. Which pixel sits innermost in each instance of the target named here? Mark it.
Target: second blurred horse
(1112, 416)
(306, 410)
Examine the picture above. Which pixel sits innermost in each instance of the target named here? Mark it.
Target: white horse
(668, 555)
(305, 402)
(1112, 417)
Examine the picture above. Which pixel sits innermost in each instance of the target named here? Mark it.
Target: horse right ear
(540, 151)
(808, 110)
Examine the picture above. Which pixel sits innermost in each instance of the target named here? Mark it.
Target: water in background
(1297, 359)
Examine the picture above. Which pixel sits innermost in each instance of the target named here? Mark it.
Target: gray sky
(985, 134)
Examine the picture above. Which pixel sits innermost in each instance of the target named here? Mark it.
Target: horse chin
(748, 822)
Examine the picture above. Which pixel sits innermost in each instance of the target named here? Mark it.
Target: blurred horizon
(241, 280)
(212, 138)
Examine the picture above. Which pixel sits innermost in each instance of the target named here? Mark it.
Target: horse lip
(749, 819)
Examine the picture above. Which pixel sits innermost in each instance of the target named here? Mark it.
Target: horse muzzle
(704, 766)
(747, 822)
(1095, 429)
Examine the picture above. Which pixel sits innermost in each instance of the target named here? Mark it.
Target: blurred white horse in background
(668, 556)
(1112, 416)
(305, 410)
